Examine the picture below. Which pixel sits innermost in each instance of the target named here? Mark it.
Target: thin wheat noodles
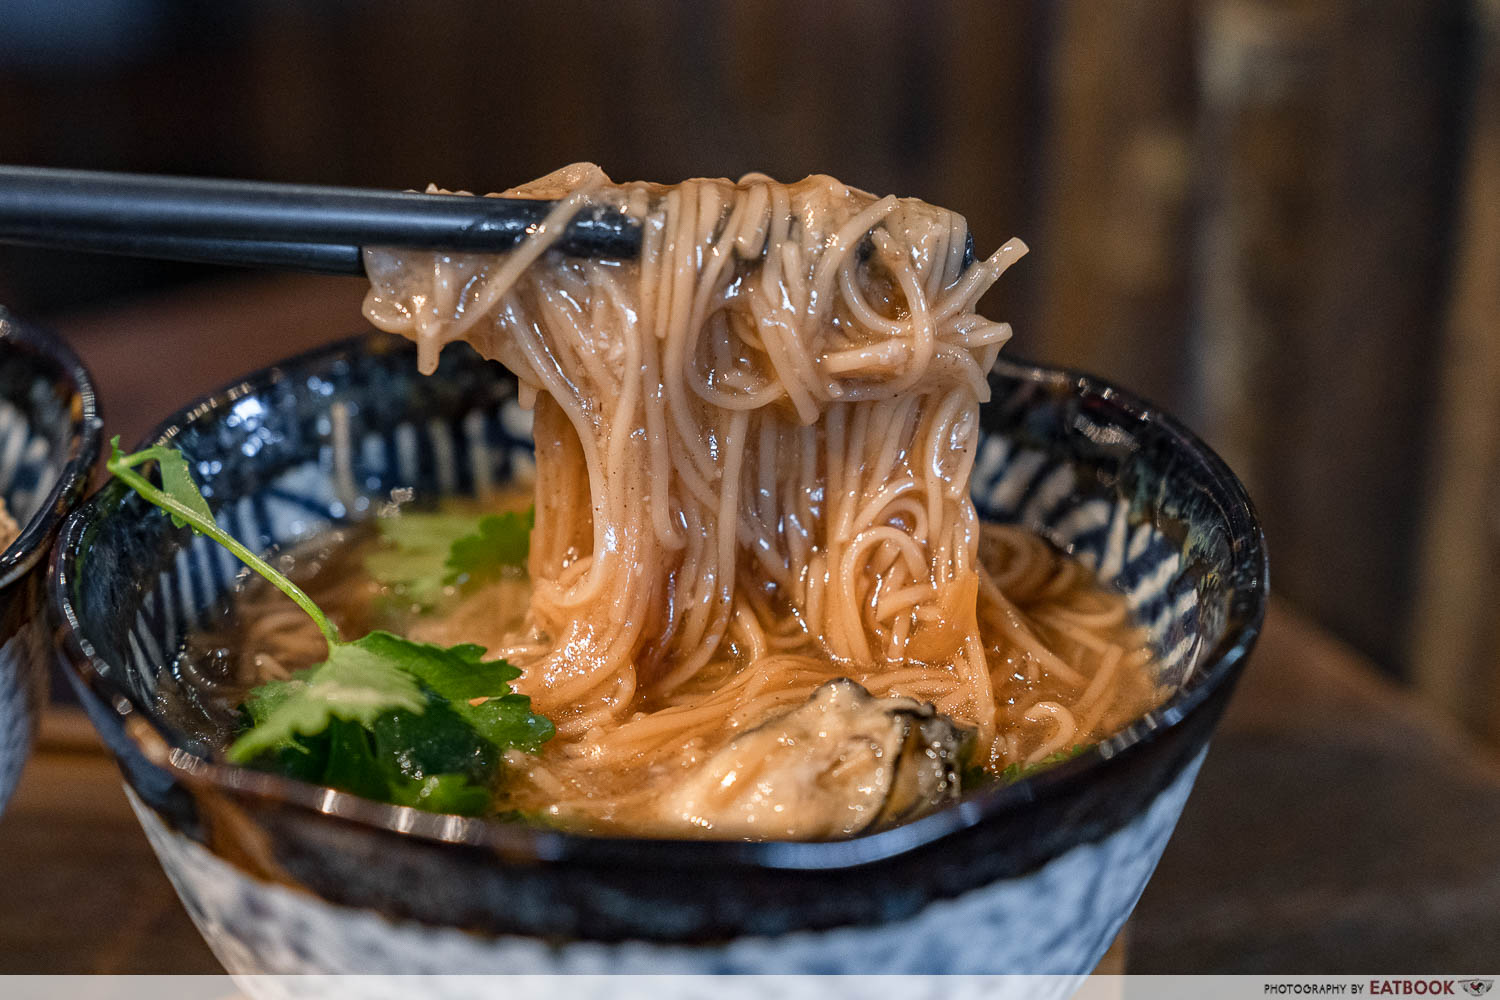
(753, 446)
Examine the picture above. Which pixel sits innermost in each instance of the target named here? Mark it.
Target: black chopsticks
(294, 226)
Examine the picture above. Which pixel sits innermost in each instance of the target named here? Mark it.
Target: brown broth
(1071, 615)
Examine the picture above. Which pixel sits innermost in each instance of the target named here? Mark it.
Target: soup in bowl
(1029, 869)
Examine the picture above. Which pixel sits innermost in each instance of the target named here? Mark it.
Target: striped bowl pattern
(49, 436)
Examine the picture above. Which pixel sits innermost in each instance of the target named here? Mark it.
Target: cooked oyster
(840, 763)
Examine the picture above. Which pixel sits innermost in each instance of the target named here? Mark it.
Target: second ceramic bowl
(49, 438)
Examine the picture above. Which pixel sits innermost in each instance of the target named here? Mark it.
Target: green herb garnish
(412, 559)
(404, 722)
(353, 684)
(1015, 772)
(974, 776)
(424, 554)
(530, 817)
(502, 542)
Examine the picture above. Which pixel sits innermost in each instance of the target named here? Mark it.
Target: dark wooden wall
(1248, 210)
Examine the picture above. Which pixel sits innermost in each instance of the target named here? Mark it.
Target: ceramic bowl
(285, 877)
(49, 438)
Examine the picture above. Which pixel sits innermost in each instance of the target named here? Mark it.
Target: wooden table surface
(1336, 826)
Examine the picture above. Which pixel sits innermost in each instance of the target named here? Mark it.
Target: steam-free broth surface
(1103, 677)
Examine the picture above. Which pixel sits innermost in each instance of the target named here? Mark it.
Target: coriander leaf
(346, 757)
(458, 673)
(352, 765)
(528, 817)
(180, 499)
(508, 721)
(264, 699)
(382, 717)
(438, 741)
(355, 766)
(392, 750)
(974, 776)
(503, 540)
(443, 793)
(304, 759)
(461, 676)
(413, 559)
(355, 684)
(1015, 772)
(176, 480)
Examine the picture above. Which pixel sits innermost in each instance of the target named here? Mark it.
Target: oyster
(841, 763)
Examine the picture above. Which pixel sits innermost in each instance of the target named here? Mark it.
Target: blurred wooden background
(1278, 218)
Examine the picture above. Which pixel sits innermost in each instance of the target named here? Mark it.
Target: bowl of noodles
(49, 438)
(752, 614)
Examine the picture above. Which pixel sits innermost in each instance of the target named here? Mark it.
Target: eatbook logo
(1477, 987)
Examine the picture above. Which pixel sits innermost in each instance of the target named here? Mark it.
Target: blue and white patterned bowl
(285, 877)
(49, 438)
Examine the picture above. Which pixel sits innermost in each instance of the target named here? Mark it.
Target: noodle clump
(753, 448)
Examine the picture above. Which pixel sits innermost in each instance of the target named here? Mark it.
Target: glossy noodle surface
(753, 448)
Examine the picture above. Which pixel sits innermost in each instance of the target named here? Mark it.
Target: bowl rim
(61, 365)
(1217, 667)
